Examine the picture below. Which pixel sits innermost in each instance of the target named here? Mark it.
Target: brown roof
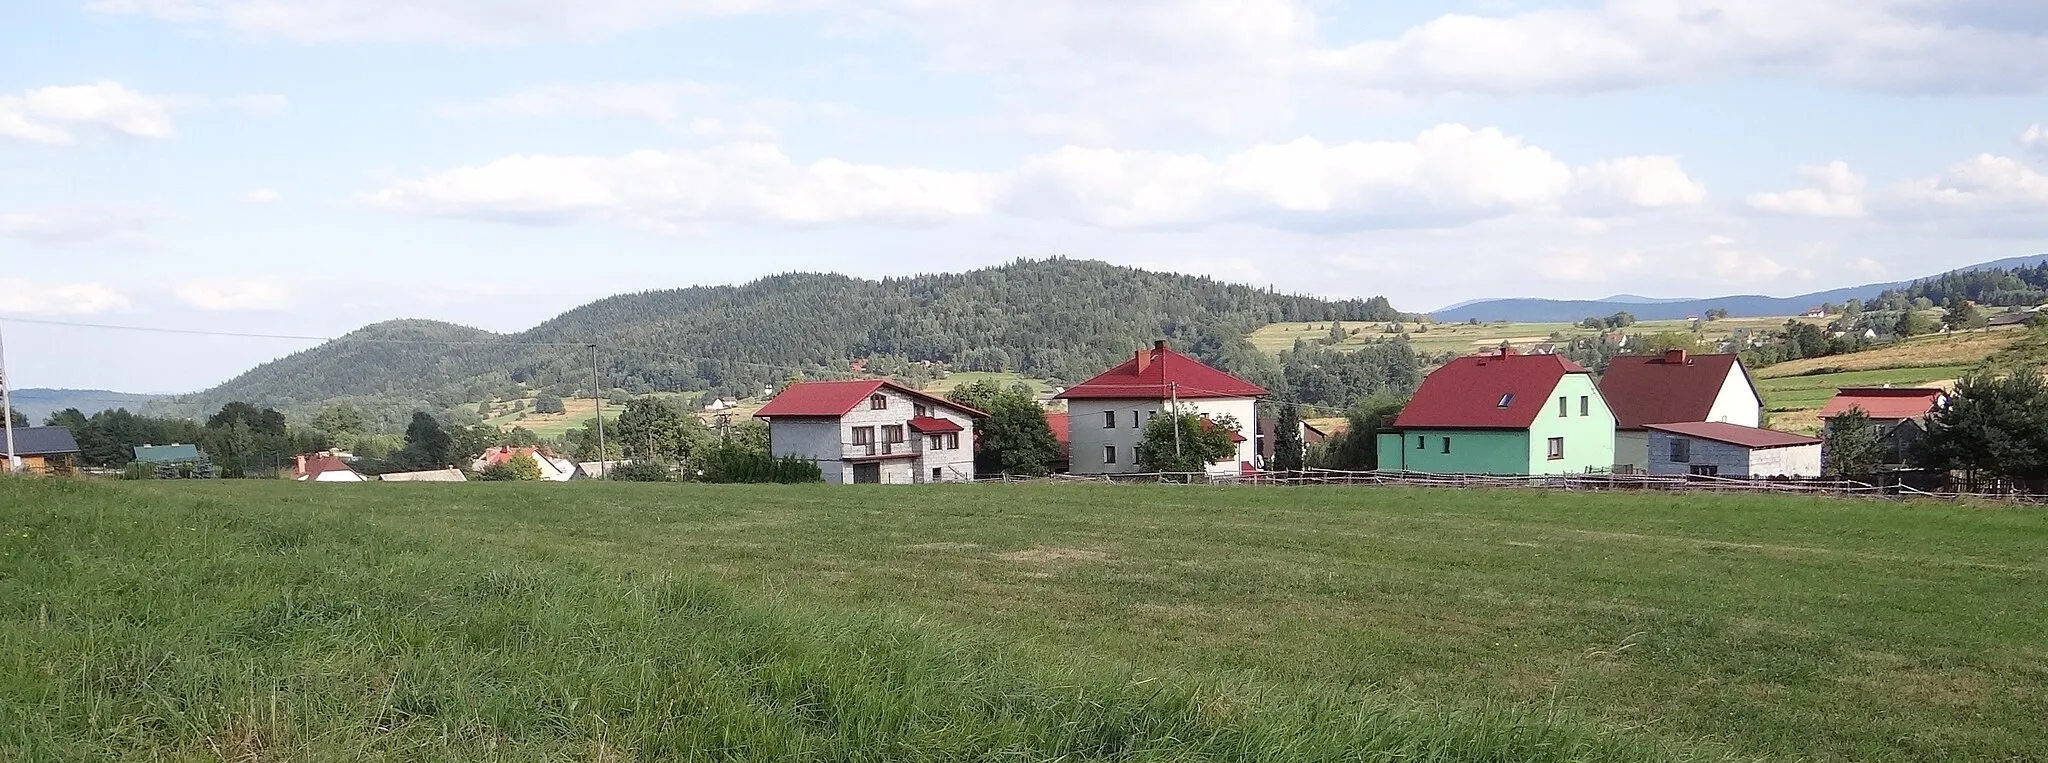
(1884, 403)
(1736, 434)
(1159, 373)
(1661, 389)
(1499, 391)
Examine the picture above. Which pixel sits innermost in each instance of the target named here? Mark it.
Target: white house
(873, 431)
(1716, 449)
(1107, 414)
(1675, 387)
(552, 468)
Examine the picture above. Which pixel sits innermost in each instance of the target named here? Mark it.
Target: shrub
(728, 463)
(642, 471)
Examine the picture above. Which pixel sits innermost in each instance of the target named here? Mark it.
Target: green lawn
(1005, 378)
(595, 621)
(1787, 393)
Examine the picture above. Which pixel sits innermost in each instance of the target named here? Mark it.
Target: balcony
(879, 450)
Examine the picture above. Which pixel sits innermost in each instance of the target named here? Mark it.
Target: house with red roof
(1107, 414)
(1672, 388)
(1503, 413)
(325, 466)
(1722, 449)
(873, 431)
(1899, 414)
(553, 468)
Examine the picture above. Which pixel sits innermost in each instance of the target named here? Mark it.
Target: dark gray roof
(40, 441)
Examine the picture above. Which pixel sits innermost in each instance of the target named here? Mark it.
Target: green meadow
(261, 621)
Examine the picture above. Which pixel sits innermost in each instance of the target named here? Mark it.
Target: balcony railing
(875, 449)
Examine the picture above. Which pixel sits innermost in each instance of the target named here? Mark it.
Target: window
(938, 474)
(934, 442)
(1706, 470)
(1109, 454)
(878, 402)
(1557, 449)
(1420, 442)
(1447, 445)
(1681, 450)
(1134, 419)
(1150, 415)
(1507, 400)
(952, 441)
(922, 410)
(1585, 405)
(1563, 406)
(892, 433)
(1109, 419)
(863, 435)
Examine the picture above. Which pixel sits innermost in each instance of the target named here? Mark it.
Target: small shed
(1721, 449)
(43, 450)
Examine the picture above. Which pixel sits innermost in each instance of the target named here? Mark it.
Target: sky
(306, 167)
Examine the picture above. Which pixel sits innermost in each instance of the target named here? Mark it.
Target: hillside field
(605, 621)
(1465, 338)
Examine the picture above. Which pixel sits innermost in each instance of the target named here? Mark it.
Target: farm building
(552, 468)
(43, 450)
(1503, 413)
(1720, 449)
(1107, 414)
(1898, 413)
(873, 431)
(1311, 436)
(325, 467)
(1672, 388)
(450, 474)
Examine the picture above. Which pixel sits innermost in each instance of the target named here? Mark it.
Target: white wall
(1089, 436)
(1737, 402)
(827, 440)
(337, 476)
(1794, 461)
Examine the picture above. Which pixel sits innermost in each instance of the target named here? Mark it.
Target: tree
(520, 437)
(1015, 438)
(17, 417)
(427, 445)
(1357, 447)
(1996, 425)
(1621, 320)
(1288, 450)
(1186, 443)
(655, 429)
(1851, 446)
(1963, 314)
(483, 409)
(1717, 313)
(548, 402)
(1663, 341)
(1909, 324)
(498, 472)
(1336, 332)
(524, 468)
(340, 420)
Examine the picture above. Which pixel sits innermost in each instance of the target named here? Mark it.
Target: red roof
(1160, 373)
(934, 425)
(838, 398)
(1885, 402)
(1062, 430)
(1661, 389)
(1468, 392)
(321, 463)
(1736, 434)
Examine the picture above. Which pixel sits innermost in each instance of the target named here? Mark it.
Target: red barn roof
(1736, 434)
(838, 398)
(1661, 389)
(1486, 392)
(1160, 373)
(315, 464)
(1885, 402)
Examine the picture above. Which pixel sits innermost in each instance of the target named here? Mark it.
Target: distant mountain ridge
(1644, 308)
(39, 402)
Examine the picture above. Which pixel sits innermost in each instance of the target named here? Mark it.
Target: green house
(1505, 414)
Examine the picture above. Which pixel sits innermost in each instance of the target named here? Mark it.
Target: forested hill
(1057, 318)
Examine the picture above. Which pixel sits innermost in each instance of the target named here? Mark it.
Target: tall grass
(259, 622)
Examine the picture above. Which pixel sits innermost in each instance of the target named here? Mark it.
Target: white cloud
(439, 21)
(53, 115)
(1447, 175)
(1882, 45)
(710, 111)
(1994, 194)
(233, 294)
(81, 224)
(40, 298)
(2035, 139)
(1835, 191)
(262, 196)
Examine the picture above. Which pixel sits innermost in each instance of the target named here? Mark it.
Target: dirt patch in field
(944, 545)
(1050, 555)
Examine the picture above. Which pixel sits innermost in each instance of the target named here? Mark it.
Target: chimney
(302, 464)
(1674, 357)
(1506, 349)
(1144, 360)
(1159, 344)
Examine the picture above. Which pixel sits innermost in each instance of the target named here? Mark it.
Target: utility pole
(597, 399)
(7, 412)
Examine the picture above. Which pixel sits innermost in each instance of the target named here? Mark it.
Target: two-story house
(1503, 413)
(873, 431)
(1676, 387)
(1107, 414)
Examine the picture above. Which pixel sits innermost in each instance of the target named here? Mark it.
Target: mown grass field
(1005, 378)
(594, 621)
(1465, 338)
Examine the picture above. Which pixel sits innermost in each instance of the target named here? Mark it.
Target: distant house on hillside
(1817, 312)
(2009, 319)
(873, 431)
(325, 466)
(1503, 413)
(1898, 413)
(552, 468)
(1269, 427)
(43, 450)
(1720, 449)
(1675, 387)
(1108, 412)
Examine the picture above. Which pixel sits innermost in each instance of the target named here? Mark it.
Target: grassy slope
(618, 621)
(1464, 338)
(960, 378)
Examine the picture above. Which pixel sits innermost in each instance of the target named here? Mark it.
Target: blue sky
(309, 166)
